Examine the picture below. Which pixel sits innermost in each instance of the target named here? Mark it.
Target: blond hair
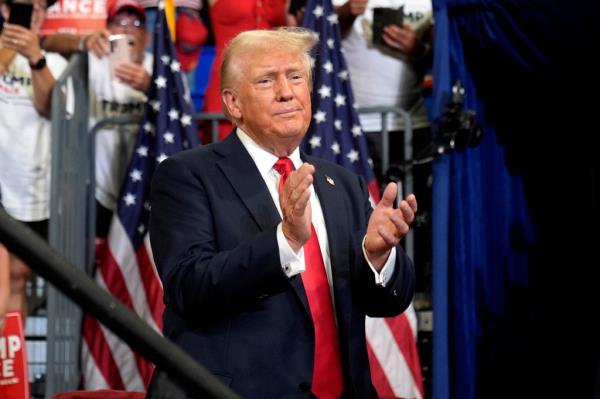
(296, 40)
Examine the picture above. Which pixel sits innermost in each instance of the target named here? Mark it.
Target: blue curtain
(513, 265)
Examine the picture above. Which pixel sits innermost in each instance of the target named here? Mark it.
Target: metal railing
(71, 220)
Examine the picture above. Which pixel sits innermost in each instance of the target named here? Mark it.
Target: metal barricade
(70, 219)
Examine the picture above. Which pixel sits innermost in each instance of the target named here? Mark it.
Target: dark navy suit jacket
(229, 303)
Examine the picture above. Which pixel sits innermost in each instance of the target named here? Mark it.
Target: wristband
(40, 64)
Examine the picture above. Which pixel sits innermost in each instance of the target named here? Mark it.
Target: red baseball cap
(190, 35)
(117, 6)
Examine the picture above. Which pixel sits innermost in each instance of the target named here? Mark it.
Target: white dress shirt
(293, 263)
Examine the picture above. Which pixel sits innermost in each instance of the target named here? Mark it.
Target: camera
(457, 126)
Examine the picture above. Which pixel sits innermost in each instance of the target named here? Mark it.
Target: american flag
(335, 134)
(125, 267)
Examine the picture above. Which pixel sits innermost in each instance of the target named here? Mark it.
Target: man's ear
(231, 102)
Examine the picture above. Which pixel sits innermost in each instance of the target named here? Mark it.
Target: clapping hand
(387, 225)
(294, 199)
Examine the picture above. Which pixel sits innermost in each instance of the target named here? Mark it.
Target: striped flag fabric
(335, 134)
(125, 267)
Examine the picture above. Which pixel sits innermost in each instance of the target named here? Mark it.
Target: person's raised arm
(67, 44)
(26, 43)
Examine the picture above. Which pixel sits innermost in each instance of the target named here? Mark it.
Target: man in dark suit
(271, 259)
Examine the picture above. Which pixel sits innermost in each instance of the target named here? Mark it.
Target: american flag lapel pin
(329, 180)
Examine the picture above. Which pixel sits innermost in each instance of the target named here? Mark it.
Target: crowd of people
(387, 73)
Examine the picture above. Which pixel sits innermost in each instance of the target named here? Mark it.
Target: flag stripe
(152, 286)
(91, 373)
(148, 248)
(100, 355)
(125, 361)
(131, 365)
(373, 187)
(384, 390)
(411, 317)
(391, 359)
(407, 345)
(112, 275)
(125, 260)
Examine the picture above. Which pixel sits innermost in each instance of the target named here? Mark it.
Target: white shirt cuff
(292, 263)
(382, 277)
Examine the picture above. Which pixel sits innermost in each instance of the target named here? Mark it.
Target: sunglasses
(125, 22)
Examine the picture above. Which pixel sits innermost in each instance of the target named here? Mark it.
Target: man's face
(272, 97)
(130, 24)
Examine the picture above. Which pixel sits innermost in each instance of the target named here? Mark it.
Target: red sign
(14, 377)
(75, 16)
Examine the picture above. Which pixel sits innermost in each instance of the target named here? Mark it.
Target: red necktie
(327, 382)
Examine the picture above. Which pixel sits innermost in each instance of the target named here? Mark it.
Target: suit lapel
(239, 168)
(330, 200)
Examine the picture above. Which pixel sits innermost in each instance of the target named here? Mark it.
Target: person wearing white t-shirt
(111, 95)
(388, 75)
(25, 106)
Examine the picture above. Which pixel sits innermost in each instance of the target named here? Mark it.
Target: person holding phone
(119, 76)
(387, 62)
(25, 105)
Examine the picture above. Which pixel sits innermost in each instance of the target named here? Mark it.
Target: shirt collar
(263, 159)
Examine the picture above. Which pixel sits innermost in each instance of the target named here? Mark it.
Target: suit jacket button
(303, 387)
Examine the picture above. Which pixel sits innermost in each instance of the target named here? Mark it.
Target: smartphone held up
(383, 17)
(120, 51)
(20, 14)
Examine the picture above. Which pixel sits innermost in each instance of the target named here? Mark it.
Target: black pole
(80, 288)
